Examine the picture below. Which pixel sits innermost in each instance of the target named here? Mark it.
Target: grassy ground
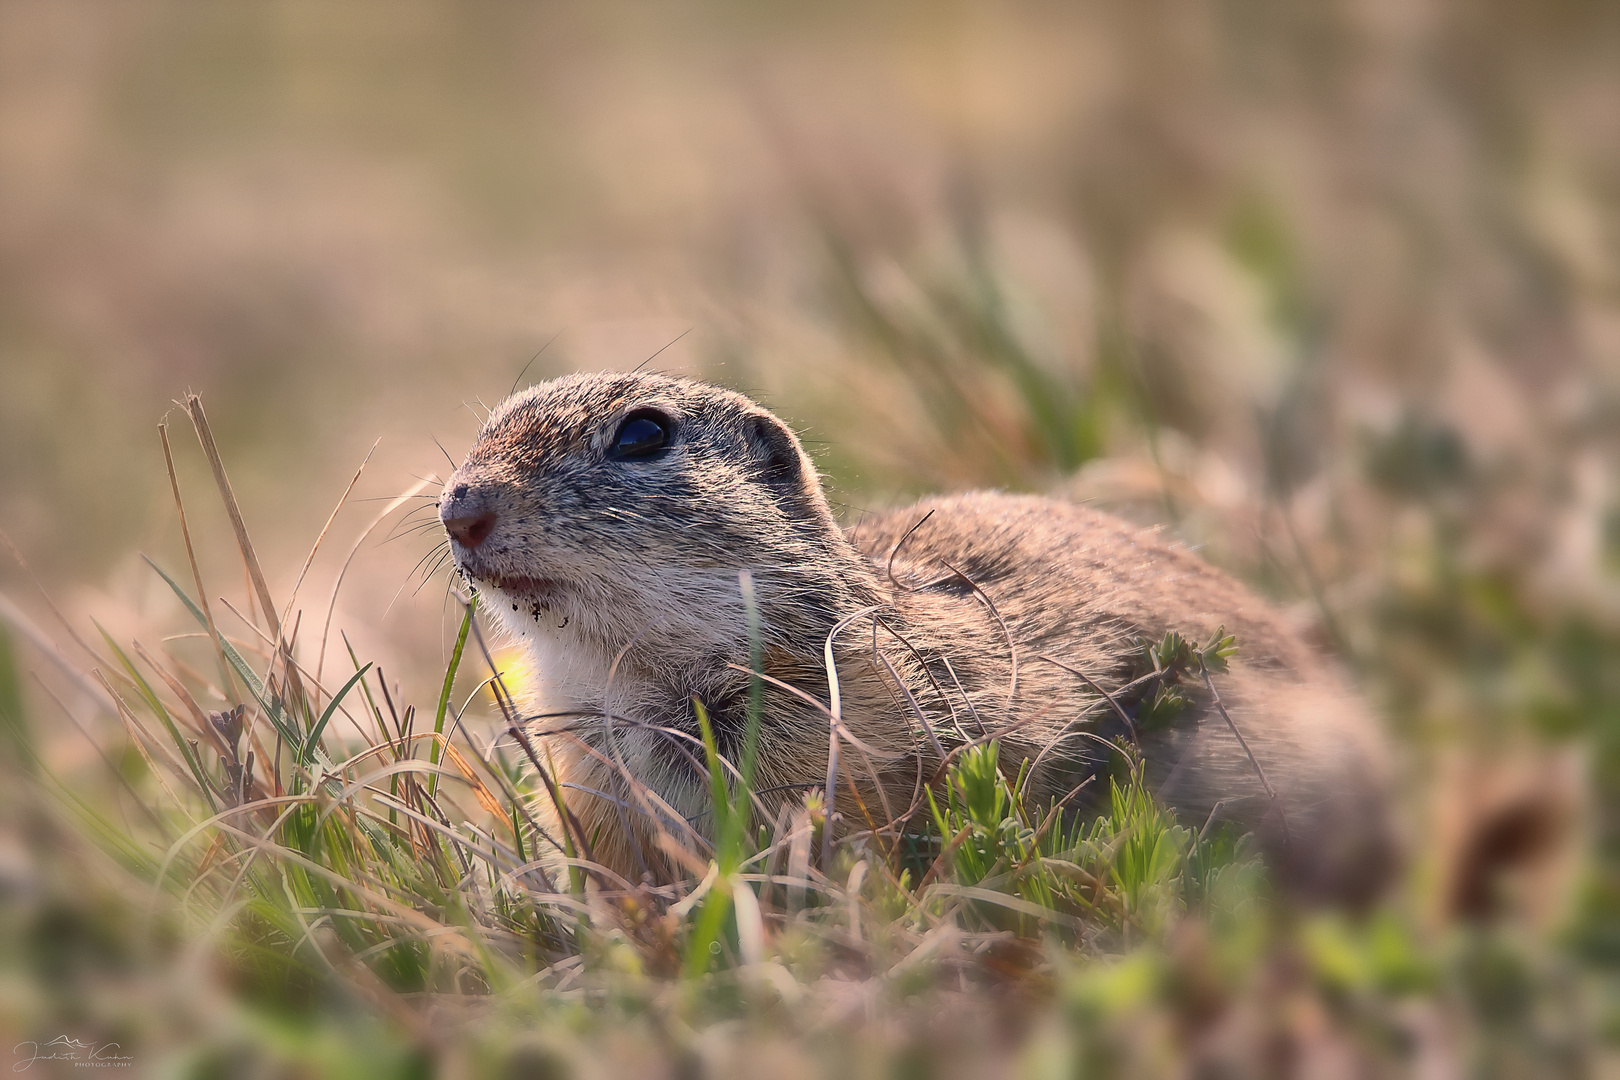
(246, 891)
(1329, 293)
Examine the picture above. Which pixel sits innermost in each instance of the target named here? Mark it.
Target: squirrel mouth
(524, 588)
(528, 587)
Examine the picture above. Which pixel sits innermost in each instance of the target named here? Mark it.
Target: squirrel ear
(776, 452)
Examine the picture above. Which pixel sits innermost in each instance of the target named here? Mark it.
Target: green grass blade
(444, 695)
(13, 722)
(320, 725)
(717, 780)
(178, 591)
(272, 710)
(155, 703)
(711, 918)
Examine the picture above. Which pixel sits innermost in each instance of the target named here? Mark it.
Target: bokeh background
(1331, 290)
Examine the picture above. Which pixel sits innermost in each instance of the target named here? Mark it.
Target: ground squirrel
(605, 519)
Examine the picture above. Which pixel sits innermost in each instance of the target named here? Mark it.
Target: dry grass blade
(571, 824)
(144, 743)
(250, 559)
(922, 665)
(888, 566)
(196, 574)
(23, 563)
(403, 912)
(1012, 645)
(834, 721)
(1125, 718)
(1011, 903)
(292, 597)
(331, 604)
(22, 624)
(910, 698)
(198, 717)
(101, 752)
(750, 923)
(486, 798)
(1271, 792)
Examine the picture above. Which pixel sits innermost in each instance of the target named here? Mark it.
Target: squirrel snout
(468, 517)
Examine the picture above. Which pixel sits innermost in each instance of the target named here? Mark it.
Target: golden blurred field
(1330, 290)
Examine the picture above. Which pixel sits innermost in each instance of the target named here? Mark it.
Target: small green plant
(1131, 869)
(1163, 666)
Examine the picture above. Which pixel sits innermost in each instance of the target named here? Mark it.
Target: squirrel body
(616, 523)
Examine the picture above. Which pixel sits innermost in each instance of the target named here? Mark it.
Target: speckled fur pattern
(622, 580)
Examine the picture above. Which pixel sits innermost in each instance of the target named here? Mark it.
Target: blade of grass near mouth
(444, 695)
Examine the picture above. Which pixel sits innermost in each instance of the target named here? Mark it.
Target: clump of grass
(1128, 873)
(410, 865)
(418, 861)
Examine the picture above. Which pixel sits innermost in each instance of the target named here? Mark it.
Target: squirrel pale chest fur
(616, 524)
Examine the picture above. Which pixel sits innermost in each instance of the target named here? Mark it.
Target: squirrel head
(627, 505)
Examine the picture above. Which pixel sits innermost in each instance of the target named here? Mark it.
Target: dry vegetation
(1330, 290)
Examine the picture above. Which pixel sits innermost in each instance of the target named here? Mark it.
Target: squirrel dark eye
(644, 433)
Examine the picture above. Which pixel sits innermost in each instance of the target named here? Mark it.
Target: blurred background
(1331, 290)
